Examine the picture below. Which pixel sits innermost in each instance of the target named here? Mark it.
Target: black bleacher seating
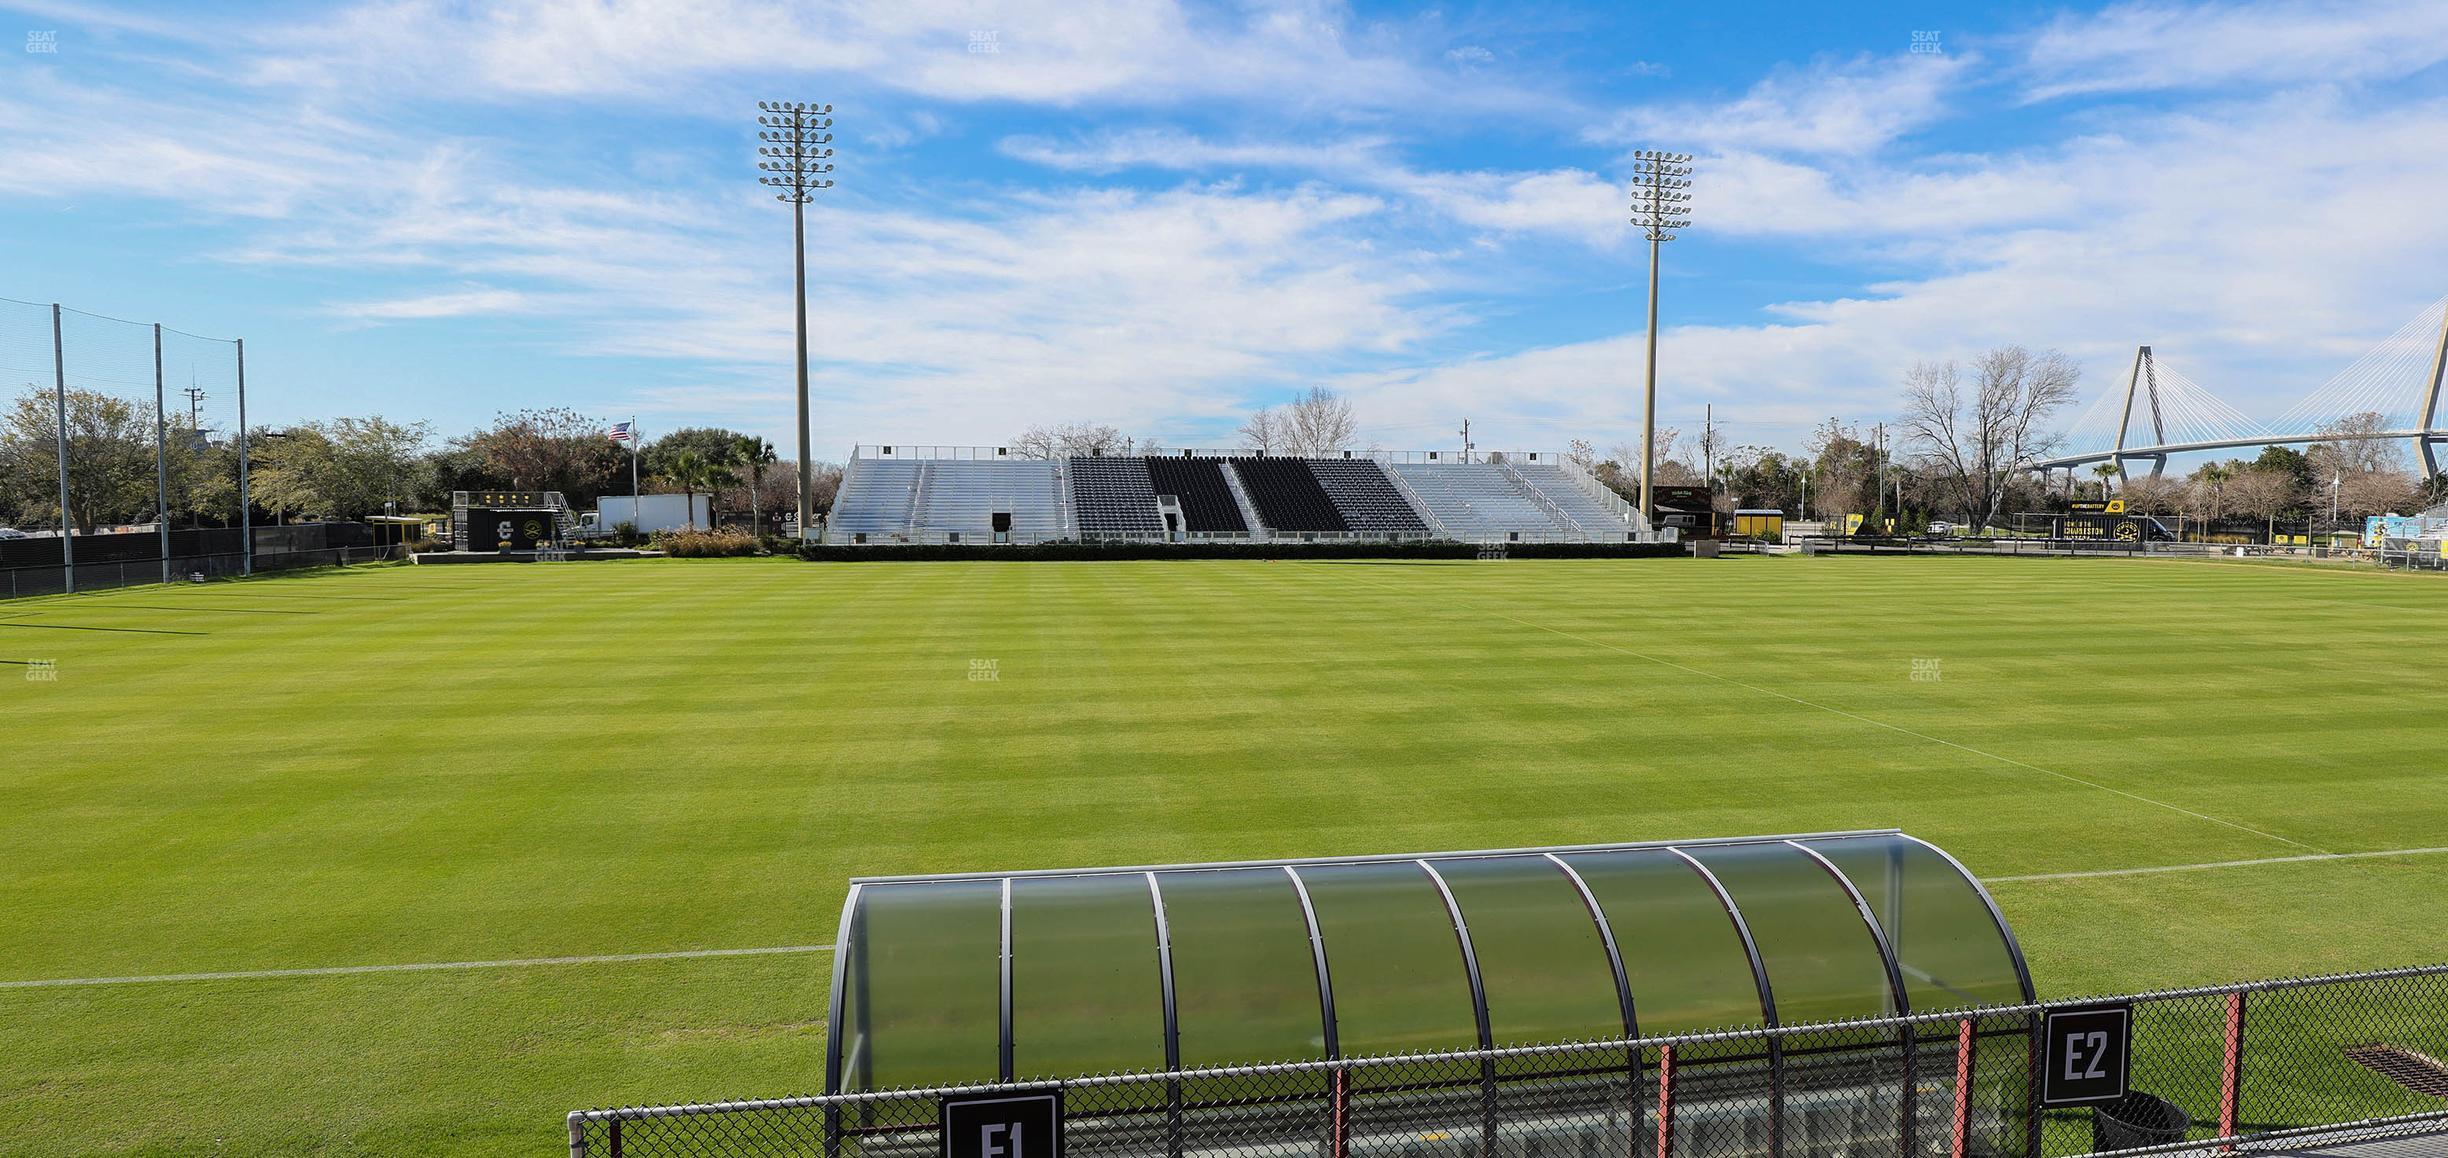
(1207, 503)
(1111, 498)
(1368, 501)
(1287, 495)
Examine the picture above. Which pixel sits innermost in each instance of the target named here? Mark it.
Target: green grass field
(471, 764)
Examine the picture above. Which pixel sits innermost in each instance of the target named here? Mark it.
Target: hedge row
(1089, 552)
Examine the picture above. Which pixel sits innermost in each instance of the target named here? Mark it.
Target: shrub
(705, 544)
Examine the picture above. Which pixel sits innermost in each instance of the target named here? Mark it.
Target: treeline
(1961, 451)
(351, 468)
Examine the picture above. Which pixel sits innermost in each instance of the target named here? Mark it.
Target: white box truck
(651, 513)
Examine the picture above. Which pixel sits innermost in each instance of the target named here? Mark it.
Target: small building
(1764, 524)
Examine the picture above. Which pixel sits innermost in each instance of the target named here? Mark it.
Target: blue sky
(1162, 215)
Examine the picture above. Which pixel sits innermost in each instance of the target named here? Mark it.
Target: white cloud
(2144, 47)
(1831, 107)
(1057, 52)
(1177, 150)
(457, 304)
(2257, 241)
(2172, 235)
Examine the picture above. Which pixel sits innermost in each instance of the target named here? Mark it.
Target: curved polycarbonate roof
(965, 978)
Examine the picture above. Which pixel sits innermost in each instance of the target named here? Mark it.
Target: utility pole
(195, 405)
(795, 159)
(1878, 477)
(59, 400)
(1660, 206)
(161, 458)
(1708, 453)
(1466, 441)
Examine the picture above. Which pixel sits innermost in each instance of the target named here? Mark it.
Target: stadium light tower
(1661, 204)
(795, 156)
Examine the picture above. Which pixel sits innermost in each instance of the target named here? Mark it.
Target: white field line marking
(2215, 864)
(1896, 728)
(412, 967)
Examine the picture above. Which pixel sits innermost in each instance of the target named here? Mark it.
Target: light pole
(1660, 206)
(795, 157)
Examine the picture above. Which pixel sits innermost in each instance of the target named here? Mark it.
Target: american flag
(622, 432)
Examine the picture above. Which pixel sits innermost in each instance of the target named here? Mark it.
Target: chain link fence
(2211, 1069)
(111, 428)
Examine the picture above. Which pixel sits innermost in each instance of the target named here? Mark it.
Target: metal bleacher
(1113, 499)
(1288, 497)
(933, 495)
(960, 497)
(1579, 501)
(1207, 502)
(1475, 502)
(875, 501)
(1368, 501)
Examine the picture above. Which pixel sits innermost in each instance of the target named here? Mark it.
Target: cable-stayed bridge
(2161, 412)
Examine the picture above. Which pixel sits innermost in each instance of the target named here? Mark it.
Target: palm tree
(2106, 471)
(2214, 477)
(693, 473)
(754, 454)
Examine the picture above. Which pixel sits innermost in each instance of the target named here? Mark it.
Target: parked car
(13, 533)
(1942, 528)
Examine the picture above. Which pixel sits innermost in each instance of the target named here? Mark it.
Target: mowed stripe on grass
(494, 763)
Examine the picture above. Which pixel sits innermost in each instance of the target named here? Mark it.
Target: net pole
(161, 455)
(246, 507)
(59, 402)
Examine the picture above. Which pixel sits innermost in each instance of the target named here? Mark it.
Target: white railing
(1605, 494)
(1539, 498)
(1402, 486)
(1249, 510)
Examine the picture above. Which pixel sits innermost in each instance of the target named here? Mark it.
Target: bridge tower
(2144, 371)
(2426, 419)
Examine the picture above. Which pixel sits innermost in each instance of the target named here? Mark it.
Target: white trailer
(651, 513)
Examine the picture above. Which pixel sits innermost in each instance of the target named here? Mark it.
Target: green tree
(750, 455)
(2213, 478)
(714, 444)
(111, 465)
(2287, 459)
(555, 449)
(692, 473)
(342, 468)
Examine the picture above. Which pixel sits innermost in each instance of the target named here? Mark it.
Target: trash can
(2138, 1119)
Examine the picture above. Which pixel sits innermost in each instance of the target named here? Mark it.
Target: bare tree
(1067, 439)
(2152, 494)
(1318, 424)
(1263, 432)
(2380, 492)
(1976, 444)
(2354, 454)
(2262, 493)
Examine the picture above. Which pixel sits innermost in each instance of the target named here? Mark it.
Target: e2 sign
(1025, 1124)
(2087, 1055)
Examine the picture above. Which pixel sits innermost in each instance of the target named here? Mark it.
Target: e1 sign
(2087, 1055)
(1004, 1124)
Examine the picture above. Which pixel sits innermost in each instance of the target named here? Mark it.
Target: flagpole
(633, 457)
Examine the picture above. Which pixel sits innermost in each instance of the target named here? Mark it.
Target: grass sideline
(402, 765)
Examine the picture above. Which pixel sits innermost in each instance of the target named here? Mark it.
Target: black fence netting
(33, 566)
(112, 428)
(2208, 1068)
